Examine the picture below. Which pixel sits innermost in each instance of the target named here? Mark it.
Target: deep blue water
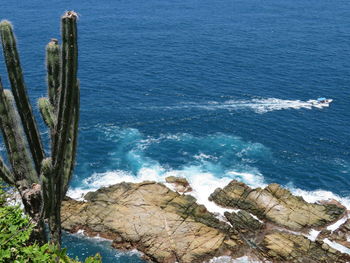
(202, 86)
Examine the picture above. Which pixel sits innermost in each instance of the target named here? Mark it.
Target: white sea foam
(337, 246)
(337, 224)
(312, 235)
(247, 259)
(202, 182)
(80, 232)
(262, 105)
(320, 195)
(203, 156)
(98, 180)
(252, 179)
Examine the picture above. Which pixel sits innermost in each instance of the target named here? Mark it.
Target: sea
(208, 90)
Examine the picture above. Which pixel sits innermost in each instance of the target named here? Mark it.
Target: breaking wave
(202, 182)
(207, 162)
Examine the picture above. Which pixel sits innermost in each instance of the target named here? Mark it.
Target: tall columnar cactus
(42, 181)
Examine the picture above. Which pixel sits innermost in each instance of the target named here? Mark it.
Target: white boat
(321, 102)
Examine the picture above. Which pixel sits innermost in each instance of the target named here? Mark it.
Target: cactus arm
(15, 140)
(69, 60)
(53, 71)
(47, 112)
(6, 174)
(20, 94)
(48, 186)
(73, 140)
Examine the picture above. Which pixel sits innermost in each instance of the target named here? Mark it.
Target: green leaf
(15, 230)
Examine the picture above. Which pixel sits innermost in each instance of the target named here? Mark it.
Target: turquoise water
(202, 89)
(82, 246)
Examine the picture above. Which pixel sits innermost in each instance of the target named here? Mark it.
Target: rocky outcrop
(181, 184)
(277, 205)
(171, 227)
(164, 225)
(244, 222)
(340, 235)
(287, 247)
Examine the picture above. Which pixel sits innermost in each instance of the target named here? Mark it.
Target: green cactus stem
(19, 91)
(69, 60)
(47, 112)
(53, 70)
(47, 186)
(72, 142)
(42, 182)
(15, 140)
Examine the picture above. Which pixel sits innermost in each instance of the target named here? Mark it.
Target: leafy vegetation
(15, 247)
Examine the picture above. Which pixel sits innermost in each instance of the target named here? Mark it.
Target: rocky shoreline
(265, 224)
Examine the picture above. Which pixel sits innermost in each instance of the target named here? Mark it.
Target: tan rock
(180, 183)
(277, 205)
(164, 225)
(169, 227)
(243, 222)
(287, 247)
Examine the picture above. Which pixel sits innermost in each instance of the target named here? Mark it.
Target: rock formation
(340, 235)
(169, 227)
(181, 184)
(164, 225)
(286, 247)
(276, 205)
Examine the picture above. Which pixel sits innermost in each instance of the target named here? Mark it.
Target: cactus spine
(42, 182)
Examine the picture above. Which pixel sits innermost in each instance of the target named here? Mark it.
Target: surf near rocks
(169, 227)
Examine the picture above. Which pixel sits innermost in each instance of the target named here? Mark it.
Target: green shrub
(15, 230)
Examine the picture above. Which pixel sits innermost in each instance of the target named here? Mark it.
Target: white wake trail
(261, 105)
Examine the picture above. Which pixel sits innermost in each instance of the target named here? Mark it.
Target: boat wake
(258, 105)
